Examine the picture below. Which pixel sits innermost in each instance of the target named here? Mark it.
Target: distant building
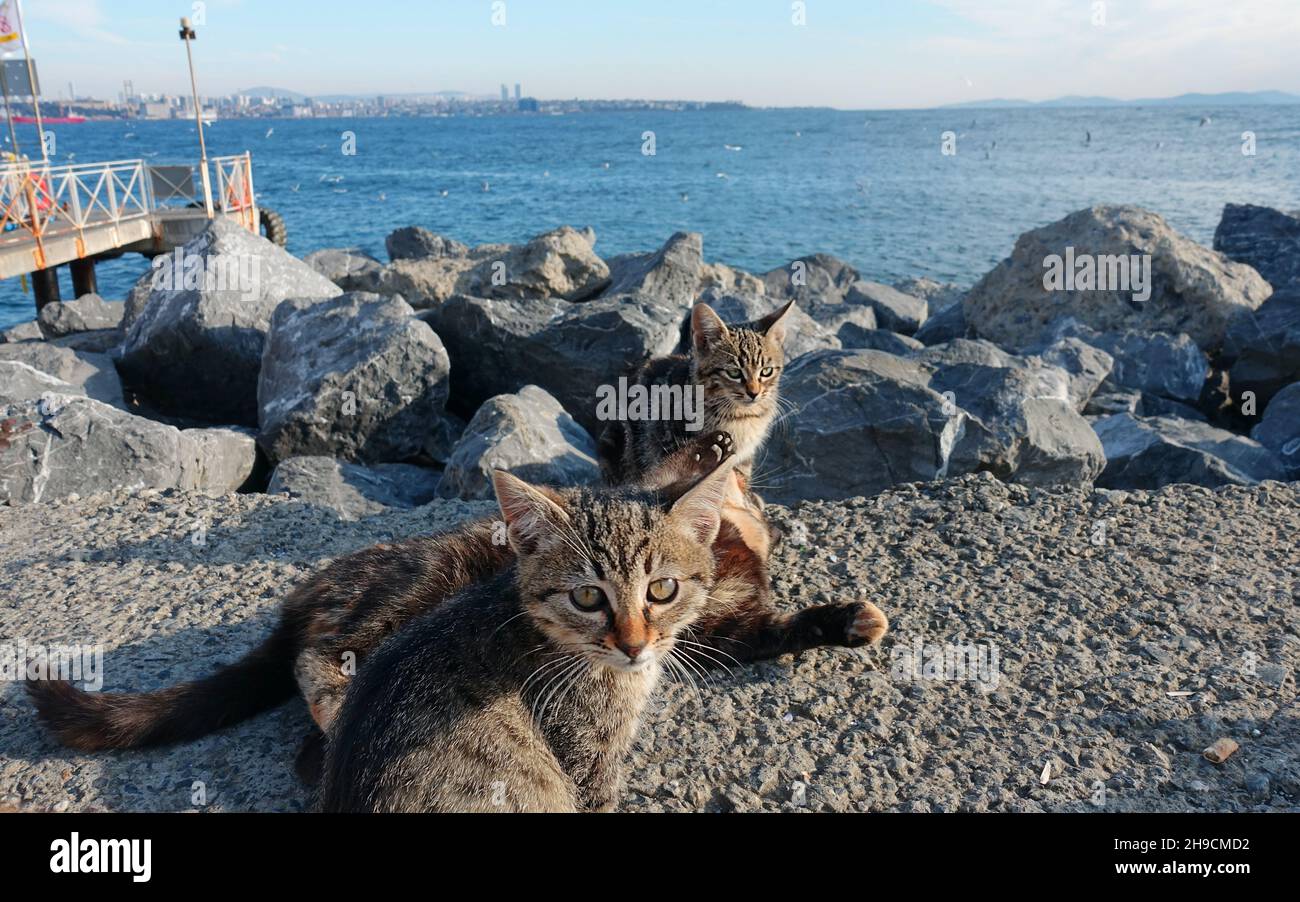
(156, 110)
(518, 92)
(505, 94)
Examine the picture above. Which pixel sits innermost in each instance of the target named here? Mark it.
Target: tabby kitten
(739, 367)
(331, 623)
(525, 692)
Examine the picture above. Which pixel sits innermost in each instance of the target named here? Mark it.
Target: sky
(850, 54)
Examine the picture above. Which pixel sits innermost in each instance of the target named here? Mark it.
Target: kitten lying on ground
(337, 617)
(524, 692)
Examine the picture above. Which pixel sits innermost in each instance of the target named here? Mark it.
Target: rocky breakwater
(1105, 349)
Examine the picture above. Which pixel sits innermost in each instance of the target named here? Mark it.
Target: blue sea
(763, 186)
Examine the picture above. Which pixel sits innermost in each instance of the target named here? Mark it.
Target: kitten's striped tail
(91, 721)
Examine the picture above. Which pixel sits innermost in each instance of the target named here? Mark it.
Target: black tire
(272, 226)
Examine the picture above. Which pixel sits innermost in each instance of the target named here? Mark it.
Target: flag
(11, 41)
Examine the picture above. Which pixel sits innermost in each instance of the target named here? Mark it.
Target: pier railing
(39, 202)
(42, 201)
(235, 189)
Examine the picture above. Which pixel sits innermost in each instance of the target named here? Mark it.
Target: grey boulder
(86, 314)
(818, 279)
(1279, 430)
(497, 346)
(937, 295)
(196, 347)
(1263, 238)
(348, 268)
(353, 491)
(1155, 363)
(947, 324)
(1264, 346)
(895, 311)
(673, 273)
(58, 445)
(91, 374)
(356, 377)
(415, 243)
(1192, 288)
(528, 434)
(1148, 453)
(28, 331)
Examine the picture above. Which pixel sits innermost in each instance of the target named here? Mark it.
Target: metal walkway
(52, 215)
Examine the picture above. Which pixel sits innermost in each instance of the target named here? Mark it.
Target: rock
(865, 420)
(351, 490)
(1020, 423)
(1149, 453)
(22, 382)
(557, 264)
(895, 311)
(424, 282)
(530, 435)
(937, 295)
(136, 298)
(415, 243)
(1158, 406)
(1258, 785)
(967, 350)
(195, 351)
(851, 335)
(803, 333)
(1105, 403)
(1155, 363)
(727, 279)
(1192, 289)
(86, 313)
(67, 444)
(1265, 346)
(1279, 430)
(348, 268)
(497, 346)
(811, 281)
(91, 374)
(356, 377)
(673, 272)
(947, 324)
(1263, 238)
(97, 341)
(28, 331)
(1086, 365)
(846, 318)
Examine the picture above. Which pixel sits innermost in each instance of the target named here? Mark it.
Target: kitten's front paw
(712, 449)
(868, 625)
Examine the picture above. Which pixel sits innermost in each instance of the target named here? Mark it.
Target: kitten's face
(613, 578)
(739, 366)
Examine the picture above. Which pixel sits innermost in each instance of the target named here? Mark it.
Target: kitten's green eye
(587, 598)
(735, 375)
(662, 590)
(766, 372)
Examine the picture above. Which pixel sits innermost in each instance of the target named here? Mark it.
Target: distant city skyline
(837, 53)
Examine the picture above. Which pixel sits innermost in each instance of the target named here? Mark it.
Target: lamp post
(187, 35)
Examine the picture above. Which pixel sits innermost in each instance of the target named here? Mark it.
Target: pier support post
(83, 276)
(45, 285)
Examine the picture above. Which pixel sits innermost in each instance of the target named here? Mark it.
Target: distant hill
(1231, 98)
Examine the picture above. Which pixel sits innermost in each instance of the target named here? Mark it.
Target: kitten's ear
(773, 325)
(698, 513)
(531, 514)
(707, 329)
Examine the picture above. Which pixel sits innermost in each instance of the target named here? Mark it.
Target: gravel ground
(1130, 631)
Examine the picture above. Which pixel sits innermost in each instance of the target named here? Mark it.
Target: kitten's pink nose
(632, 651)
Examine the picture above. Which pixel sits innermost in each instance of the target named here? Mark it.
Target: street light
(187, 35)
